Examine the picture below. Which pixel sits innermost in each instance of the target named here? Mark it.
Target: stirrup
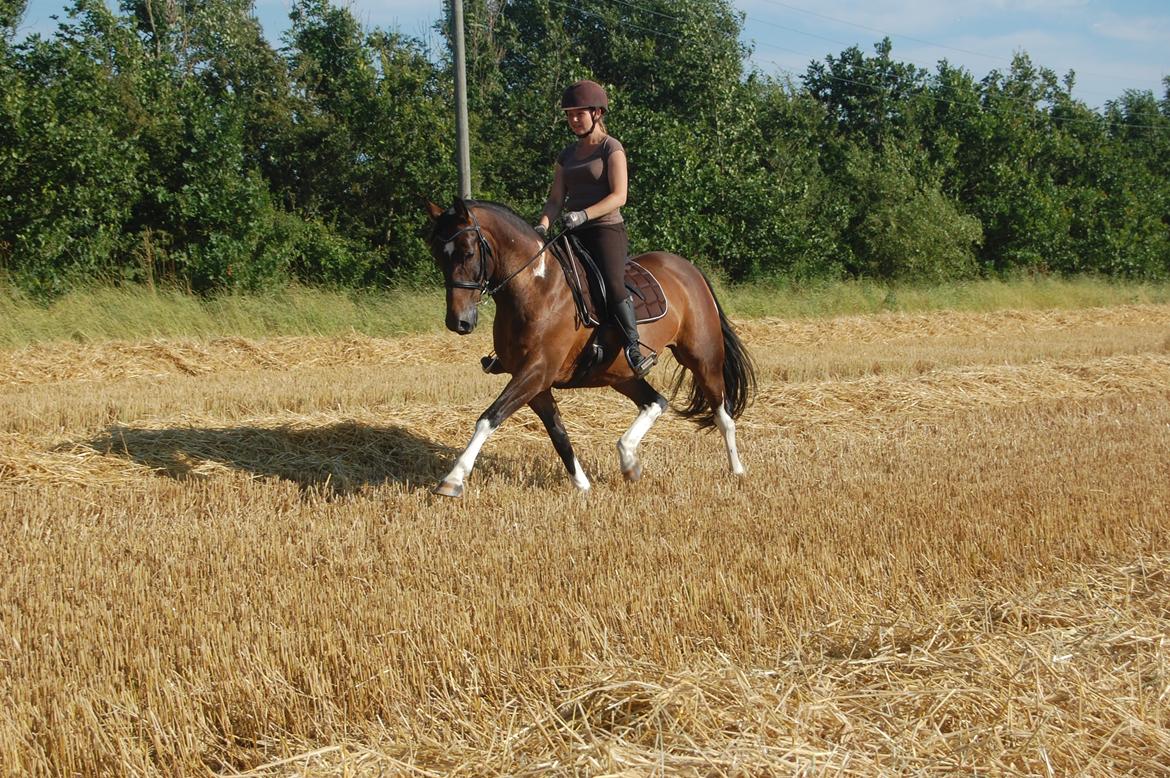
(643, 363)
(594, 355)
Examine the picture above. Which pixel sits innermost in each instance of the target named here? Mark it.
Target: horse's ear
(433, 210)
(460, 206)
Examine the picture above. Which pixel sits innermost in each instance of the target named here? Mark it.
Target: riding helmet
(584, 94)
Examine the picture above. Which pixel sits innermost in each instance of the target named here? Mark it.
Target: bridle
(482, 283)
(485, 251)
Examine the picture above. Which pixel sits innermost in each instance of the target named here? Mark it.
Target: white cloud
(1148, 29)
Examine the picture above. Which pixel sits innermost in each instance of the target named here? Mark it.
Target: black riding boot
(623, 313)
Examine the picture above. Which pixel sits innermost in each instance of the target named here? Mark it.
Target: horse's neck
(534, 287)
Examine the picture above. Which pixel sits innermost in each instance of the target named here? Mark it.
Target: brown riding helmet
(584, 94)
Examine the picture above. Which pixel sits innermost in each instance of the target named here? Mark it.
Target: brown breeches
(609, 245)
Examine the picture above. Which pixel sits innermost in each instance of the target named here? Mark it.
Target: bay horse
(485, 248)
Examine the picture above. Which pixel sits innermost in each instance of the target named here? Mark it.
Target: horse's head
(462, 252)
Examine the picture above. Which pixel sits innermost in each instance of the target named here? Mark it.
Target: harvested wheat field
(951, 554)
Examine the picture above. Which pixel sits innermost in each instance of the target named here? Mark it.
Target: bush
(905, 229)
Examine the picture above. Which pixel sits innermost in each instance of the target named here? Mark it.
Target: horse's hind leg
(726, 425)
(708, 377)
(545, 406)
(651, 405)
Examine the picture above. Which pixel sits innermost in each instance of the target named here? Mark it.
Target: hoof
(448, 489)
(634, 473)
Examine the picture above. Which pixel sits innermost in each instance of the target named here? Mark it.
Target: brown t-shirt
(587, 179)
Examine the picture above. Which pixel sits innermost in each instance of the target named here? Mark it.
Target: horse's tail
(739, 376)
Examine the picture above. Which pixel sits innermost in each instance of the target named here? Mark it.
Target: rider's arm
(618, 187)
(556, 198)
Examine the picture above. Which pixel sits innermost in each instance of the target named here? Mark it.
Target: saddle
(588, 289)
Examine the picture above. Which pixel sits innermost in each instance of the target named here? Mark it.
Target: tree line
(169, 142)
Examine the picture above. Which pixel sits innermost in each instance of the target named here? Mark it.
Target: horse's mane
(506, 213)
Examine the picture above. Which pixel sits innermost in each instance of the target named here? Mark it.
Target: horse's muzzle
(463, 323)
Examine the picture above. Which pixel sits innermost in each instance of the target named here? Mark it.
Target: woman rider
(590, 182)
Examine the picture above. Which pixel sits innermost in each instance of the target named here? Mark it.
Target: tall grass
(838, 298)
(129, 313)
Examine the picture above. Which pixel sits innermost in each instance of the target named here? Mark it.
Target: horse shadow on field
(336, 459)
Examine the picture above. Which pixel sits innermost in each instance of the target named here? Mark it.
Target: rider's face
(580, 120)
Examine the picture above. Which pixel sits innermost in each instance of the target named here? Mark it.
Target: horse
(486, 249)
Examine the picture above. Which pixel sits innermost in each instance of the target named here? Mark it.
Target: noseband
(485, 252)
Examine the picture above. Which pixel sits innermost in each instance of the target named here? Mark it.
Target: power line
(883, 32)
(889, 34)
(844, 44)
(649, 10)
(1007, 98)
(1031, 105)
(1099, 121)
(579, 9)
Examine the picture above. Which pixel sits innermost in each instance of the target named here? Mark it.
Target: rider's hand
(542, 230)
(574, 219)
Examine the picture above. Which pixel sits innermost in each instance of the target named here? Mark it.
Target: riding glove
(540, 228)
(574, 219)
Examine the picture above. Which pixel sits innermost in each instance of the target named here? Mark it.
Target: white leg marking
(727, 427)
(580, 480)
(466, 460)
(627, 445)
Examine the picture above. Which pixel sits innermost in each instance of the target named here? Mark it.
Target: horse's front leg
(520, 390)
(546, 408)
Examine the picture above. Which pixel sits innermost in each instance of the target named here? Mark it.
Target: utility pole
(462, 149)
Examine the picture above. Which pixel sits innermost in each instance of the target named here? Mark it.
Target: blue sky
(1112, 46)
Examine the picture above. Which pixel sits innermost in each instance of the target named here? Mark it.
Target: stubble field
(950, 554)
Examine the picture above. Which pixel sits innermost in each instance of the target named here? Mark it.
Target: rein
(483, 281)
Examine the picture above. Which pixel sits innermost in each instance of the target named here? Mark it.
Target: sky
(1112, 46)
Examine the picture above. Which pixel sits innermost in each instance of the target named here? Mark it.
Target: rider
(590, 181)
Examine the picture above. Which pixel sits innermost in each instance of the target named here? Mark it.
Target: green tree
(871, 99)
(903, 227)
(171, 140)
(372, 132)
(1009, 174)
(11, 12)
(68, 166)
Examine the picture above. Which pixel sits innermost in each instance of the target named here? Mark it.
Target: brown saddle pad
(650, 302)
